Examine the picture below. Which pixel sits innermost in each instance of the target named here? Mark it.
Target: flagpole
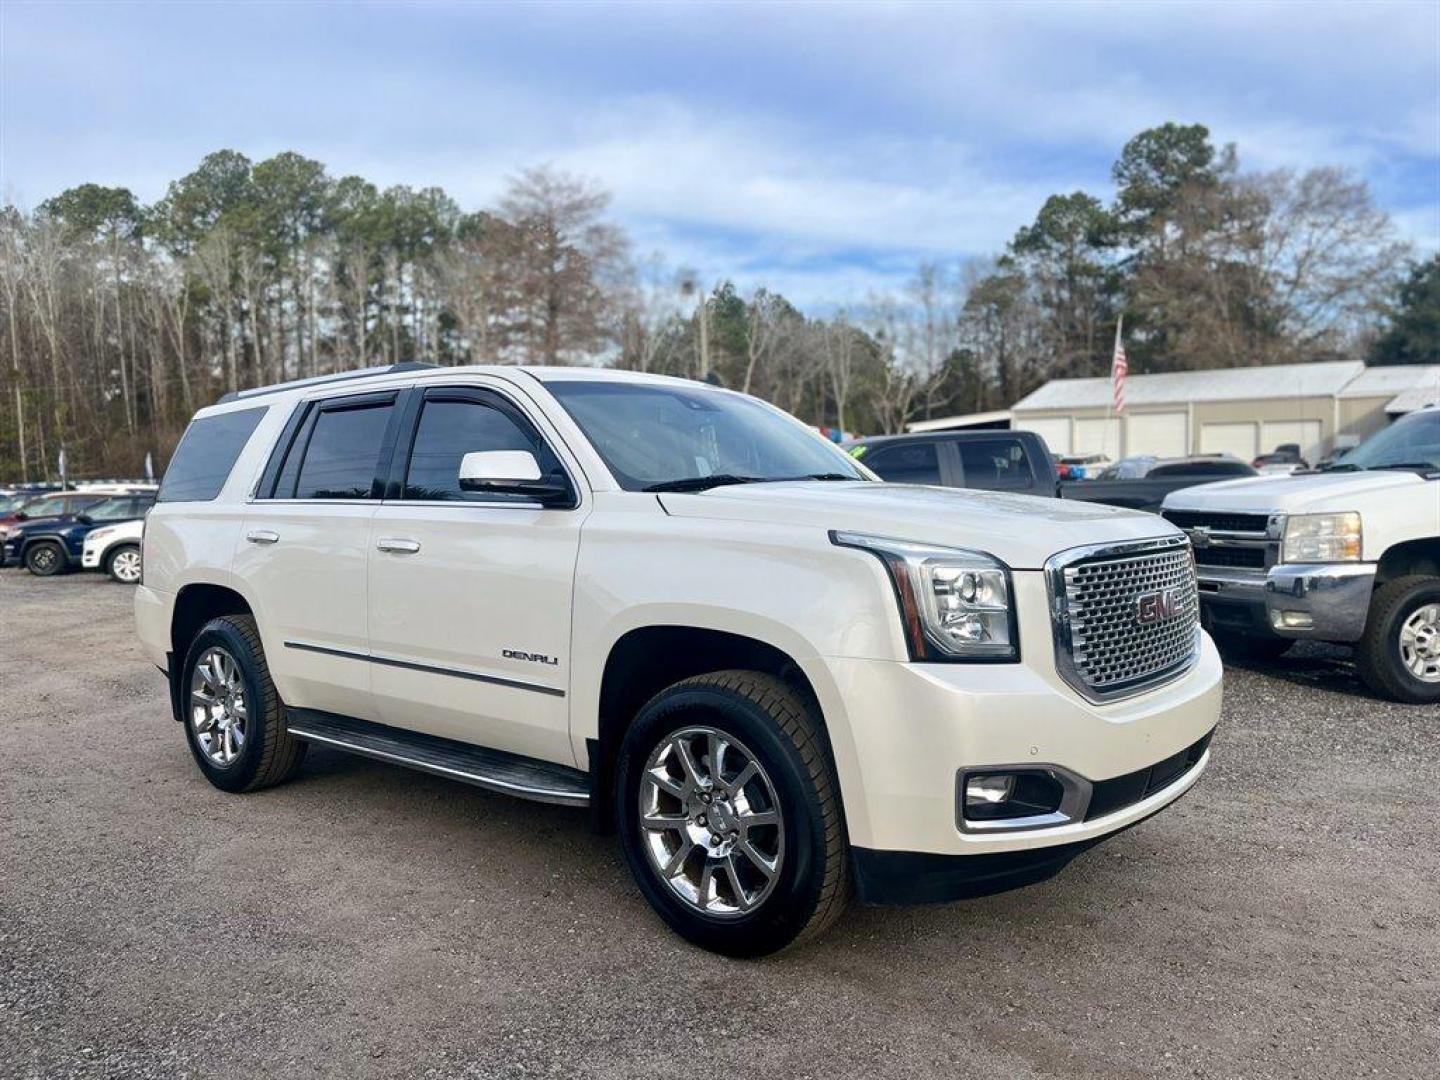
(1110, 402)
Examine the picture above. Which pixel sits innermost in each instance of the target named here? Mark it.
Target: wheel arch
(1420, 556)
(195, 605)
(646, 659)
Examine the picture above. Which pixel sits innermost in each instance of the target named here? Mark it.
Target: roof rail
(321, 380)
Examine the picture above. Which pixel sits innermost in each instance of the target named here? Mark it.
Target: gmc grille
(1127, 616)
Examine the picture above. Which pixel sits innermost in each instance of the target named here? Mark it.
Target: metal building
(1241, 411)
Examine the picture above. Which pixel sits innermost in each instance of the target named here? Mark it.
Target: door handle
(262, 536)
(397, 546)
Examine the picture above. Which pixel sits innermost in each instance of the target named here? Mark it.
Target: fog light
(1295, 620)
(982, 790)
(1001, 796)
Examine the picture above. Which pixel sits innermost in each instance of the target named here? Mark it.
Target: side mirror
(511, 472)
(21, 515)
(84, 519)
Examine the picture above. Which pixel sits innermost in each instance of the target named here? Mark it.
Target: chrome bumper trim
(1334, 596)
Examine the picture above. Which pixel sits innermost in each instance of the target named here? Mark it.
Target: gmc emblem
(1157, 606)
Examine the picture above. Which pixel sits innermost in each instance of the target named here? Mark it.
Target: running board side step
(511, 774)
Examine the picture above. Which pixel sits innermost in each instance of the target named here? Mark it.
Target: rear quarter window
(206, 454)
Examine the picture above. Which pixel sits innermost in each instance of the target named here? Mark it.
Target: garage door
(1098, 437)
(1304, 432)
(1055, 430)
(1163, 434)
(1237, 439)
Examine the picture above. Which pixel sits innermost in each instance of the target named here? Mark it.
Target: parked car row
(93, 528)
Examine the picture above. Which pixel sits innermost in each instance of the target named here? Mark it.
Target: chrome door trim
(456, 673)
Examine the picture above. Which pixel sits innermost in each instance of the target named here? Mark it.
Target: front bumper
(1320, 602)
(1326, 602)
(90, 558)
(903, 734)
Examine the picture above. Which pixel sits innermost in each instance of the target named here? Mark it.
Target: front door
(470, 594)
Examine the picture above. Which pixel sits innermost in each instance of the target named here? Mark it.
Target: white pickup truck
(783, 681)
(1349, 554)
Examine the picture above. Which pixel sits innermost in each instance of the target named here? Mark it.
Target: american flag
(1119, 368)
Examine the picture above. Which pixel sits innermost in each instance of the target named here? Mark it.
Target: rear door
(304, 547)
(470, 594)
(999, 463)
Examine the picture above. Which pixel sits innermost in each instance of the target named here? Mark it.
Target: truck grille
(1221, 522)
(1126, 616)
(1252, 558)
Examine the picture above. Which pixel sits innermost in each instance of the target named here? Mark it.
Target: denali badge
(1156, 606)
(533, 657)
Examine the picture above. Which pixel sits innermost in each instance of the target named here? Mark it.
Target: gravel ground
(1282, 920)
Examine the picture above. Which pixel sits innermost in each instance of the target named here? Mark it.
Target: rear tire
(45, 559)
(123, 564)
(761, 724)
(1251, 647)
(1403, 623)
(234, 720)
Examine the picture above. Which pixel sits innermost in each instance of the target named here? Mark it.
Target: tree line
(121, 319)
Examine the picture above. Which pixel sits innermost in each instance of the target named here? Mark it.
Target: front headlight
(1322, 538)
(954, 604)
(98, 535)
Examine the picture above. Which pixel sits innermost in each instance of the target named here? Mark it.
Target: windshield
(48, 507)
(111, 508)
(12, 502)
(650, 435)
(1413, 442)
(1133, 468)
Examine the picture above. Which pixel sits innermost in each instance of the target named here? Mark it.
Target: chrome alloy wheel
(710, 822)
(1420, 643)
(218, 709)
(126, 566)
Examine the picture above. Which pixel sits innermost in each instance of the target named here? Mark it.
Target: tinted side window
(451, 429)
(996, 464)
(206, 454)
(342, 454)
(918, 463)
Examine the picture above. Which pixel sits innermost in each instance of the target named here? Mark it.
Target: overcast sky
(823, 150)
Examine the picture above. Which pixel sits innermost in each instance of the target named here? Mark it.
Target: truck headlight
(954, 604)
(1322, 538)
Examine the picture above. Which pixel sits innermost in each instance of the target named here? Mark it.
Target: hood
(1021, 530)
(1292, 494)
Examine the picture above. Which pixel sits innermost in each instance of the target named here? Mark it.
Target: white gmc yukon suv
(782, 680)
(1349, 554)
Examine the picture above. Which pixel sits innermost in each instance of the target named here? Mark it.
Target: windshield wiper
(1340, 467)
(816, 476)
(703, 483)
(1428, 466)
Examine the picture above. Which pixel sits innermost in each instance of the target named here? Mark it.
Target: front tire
(45, 559)
(123, 564)
(1399, 653)
(729, 814)
(234, 721)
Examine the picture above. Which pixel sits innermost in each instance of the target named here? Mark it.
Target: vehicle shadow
(1327, 668)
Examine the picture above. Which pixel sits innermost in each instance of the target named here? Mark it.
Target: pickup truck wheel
(123, 564)
(45, 559)
(730, 814)
(1252, 647)
(234, 721)
(1399, 653)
